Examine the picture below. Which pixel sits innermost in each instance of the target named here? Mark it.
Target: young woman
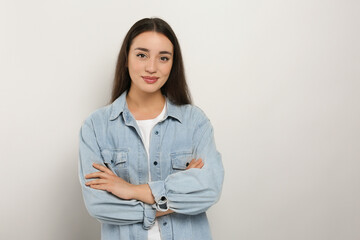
(149, 167)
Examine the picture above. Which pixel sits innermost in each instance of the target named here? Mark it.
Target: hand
(195, 164)
(108, 181)
(159, 214)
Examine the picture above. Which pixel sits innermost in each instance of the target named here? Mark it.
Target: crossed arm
(108, 181)
(112, 200)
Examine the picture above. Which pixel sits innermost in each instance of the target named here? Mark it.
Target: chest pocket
(180, 160)
(117, 161)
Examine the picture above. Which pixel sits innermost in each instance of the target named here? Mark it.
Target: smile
(149, 79)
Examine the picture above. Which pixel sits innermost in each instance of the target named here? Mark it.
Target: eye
(164, 59)
(141, 55)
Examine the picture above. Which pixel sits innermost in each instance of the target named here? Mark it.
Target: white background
(280, 81)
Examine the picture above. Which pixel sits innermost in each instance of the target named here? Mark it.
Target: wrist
(159, 214)
(143, 193)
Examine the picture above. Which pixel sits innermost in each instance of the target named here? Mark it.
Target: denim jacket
(111, 137)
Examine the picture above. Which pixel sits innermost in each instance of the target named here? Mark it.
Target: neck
(145, 105)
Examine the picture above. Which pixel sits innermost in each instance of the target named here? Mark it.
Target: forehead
(153, 41)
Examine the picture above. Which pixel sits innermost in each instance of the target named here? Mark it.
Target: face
(150, 60)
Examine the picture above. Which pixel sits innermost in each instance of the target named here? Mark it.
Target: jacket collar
(119, 106)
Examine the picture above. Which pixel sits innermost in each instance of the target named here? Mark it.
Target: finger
(201, 164)
(198, 163)
(99, 186)
(192, 162)
(96, 175)
(96, 182)
(195, 163)
(103, 168)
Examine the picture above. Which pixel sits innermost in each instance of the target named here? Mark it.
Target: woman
(149, 168)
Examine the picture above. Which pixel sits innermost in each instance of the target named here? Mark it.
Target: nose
(150, 66)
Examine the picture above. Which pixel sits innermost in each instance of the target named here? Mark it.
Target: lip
(150, 79)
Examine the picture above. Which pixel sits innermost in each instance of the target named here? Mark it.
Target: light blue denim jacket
(111, 137)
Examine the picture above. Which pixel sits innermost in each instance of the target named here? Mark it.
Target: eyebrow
(147, 50)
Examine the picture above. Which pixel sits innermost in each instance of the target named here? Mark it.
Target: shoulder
(195, 120)
(193, 115)
(194, 111)
(109, 112)
(99, 116)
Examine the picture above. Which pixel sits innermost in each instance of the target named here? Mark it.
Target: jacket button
(164, 223)
(187, 164)
(155, 163)
(156, 132)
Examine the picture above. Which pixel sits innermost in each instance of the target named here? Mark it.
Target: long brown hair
(175, 88)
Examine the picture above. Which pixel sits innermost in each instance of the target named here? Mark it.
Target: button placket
(165, 227)
(155, 157)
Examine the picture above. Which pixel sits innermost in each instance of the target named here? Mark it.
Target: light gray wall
(280, 81)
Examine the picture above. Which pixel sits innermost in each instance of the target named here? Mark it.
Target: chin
(150, 90)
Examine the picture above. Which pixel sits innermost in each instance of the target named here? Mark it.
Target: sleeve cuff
(149, 216)
(158, 191)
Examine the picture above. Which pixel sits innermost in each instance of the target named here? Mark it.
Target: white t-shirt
(145, 128)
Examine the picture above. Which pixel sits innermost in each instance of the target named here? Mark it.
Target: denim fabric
(111, 137)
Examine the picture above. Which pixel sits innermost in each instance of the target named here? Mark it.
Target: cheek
(167, 69)
(134, 66)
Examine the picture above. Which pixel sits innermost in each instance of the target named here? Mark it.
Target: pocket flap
(181, 160)
(114, 156)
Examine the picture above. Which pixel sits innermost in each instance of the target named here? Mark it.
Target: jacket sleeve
(102, 205)
(193, 191)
